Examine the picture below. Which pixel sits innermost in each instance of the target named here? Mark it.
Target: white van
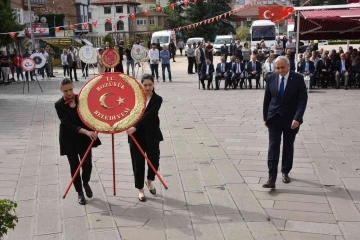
(219, 41)
(164, 37)
(193, 40)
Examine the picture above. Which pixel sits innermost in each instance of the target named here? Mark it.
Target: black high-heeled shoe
(151, 190)
(142, 199)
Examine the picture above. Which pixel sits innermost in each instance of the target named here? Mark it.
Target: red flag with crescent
(132, 16)
(146, 12)
(271, 13)
(27, 32)
(85, 25)
(108, 20)
(42, 30)
(94, 23)
(71, 27)
(12, 35)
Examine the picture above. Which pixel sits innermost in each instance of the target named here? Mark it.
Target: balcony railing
(38, 1)
(34, 3)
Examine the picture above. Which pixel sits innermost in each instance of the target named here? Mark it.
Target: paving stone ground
(213, 160)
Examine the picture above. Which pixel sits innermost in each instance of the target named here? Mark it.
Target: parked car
(193, 40)
(323, 42)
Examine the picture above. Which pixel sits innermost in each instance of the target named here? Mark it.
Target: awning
(334, 24)
(331, 14)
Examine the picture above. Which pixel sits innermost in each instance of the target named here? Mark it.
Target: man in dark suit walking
(284, 107)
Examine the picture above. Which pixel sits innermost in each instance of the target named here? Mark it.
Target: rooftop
(111, 2)
(151, 14)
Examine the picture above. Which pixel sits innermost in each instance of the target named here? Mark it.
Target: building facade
(112, 16)
(144, 21)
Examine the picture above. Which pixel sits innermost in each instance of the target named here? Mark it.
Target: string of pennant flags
(132, 16)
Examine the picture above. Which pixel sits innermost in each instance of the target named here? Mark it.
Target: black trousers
(191, 62)
(73, 68)
(74, 162)
(152, 150)
(277, 127)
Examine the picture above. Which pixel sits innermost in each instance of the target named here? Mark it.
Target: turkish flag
(271, 13)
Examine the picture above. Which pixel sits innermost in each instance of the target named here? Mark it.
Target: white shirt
(238, 68)
(154, 55)
(147, 101)
(207, 68)
(280, 44)
(291, 45)
(285, 80)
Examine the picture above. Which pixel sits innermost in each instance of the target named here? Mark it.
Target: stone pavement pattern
(213, 160)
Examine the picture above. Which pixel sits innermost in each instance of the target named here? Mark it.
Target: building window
(141, 22)
(119, 9)
(120, 25)
(108, 27)
(107, 10)
(152, 21)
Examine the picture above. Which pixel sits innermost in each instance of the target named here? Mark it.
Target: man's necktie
(238, 68)
(222, 67)
(270, 67)
(253, 66)
(282, 88)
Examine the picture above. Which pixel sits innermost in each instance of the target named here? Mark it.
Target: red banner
(271, 13)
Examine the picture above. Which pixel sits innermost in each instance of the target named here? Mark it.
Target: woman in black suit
(148, 134)
(75, 138)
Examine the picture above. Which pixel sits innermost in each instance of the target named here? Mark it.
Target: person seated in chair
(222, 71)
(307, 68)
(206, 73)
(269, 66)
(323, 70)
(254, 71)
(356, 70)
(238, 74)
(342, 70)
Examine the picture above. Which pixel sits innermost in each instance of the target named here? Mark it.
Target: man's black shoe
(88, 190)
(286, 178)
(269, 184)
(81, 198)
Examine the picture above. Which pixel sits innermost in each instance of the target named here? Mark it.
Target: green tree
(242, 32)
(109, 38)
(201, 11)
(8, 218)
(8, 22)
(154, 28)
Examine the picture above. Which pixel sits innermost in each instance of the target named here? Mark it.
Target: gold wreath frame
(116, 62)
(122, 125)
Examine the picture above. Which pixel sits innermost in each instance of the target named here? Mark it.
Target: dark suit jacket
(320, 65)
(311, 67)
(224, 50)
(234, 68)
(226, 67)
(338, 66)
(258, 67)
(148, 127)
(70, 60)
(211, 69)
(69, 135)
(293, 105)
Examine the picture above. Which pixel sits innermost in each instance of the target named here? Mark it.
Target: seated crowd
(323, 68)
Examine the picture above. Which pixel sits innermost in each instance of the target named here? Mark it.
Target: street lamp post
(31, 30)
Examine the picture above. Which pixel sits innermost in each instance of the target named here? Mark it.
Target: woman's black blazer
(69, 135)
(148, 127)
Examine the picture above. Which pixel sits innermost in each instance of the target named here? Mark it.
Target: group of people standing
(11, 64)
